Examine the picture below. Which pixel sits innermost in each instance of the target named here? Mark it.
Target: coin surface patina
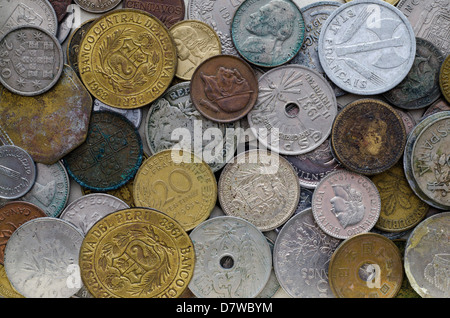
(368, 136)
(365, 266)
(127, 58)
(168, 12)
(136, 253)
(73, 44)
(178, 183)
(444, 78)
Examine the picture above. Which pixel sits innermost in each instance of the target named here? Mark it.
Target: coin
(65, 26)
(97, 6)
(438, 106)
(444, 78)
(401, 209)
(393, 2)
(272, 286)
(134, 115)
(41, 258)
(12, 215)
(225, 248)
(31, 60)
(406, 291)
(408, 120)
(60, 7)
(110, 156)
(367, 265)
(6, 290)
(420, 88)
(367, 47)
(368, 136)
(302, 253)
(295, 110)
(17, 170)
(137, 253)
(224, 88)
(427, 257)
(268, 33)
(345, 204)
(127, 58)
(173, 116)
(73, 44)
(168, 12)
(196, 41)
(259, 187)
(86, 210)
(178, 183)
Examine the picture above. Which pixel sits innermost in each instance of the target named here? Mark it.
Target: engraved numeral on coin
(178, 181)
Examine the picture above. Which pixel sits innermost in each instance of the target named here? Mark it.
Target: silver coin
(51, 189)
(38, 13)
(303, 3)
(259, 187)
(272, 286)
(302, 253)
(65, 27)
(17, 172)
(295, 110)
(303, 204)
(367, 47)
(174, 122)
(233, 259)
(427, 257)
(86, 210)
(41, 258)
(31, 60)
(97, 6)
(133, 115)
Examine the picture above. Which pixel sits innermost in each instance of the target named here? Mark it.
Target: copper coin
(368, 136)
(60, 7)
(168, 12)
(224, 88)
(12, 215)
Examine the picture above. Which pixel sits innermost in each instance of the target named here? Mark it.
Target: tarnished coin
(268, 33)
(401, 209)
(406, 291)
(367, 47)
(444, 78)
(427, 257)
(420, 88)
(65, 26)
(38, 13)
(345, 204)
(367, 265)
(73, 44)
(6, 290)
(137, 253)
(295, 110)
(178, 183)
(173, 116)
(134, 115)
(60, 7)
(302, 253)
(41, 258)
(97, 6)
(225, 248)
(31, 60)
(196, 41)
(368, 136)
(259, 187)
(86, 210)
(224, 88)
(127, 58)
(438, 106)
(17, 171)
(408, 120)
(110, 156)
(168, 12)
(12, 216)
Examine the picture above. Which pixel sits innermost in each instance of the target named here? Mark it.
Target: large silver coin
(301, 256)
(17, 172)
(85, 211)
(259, 187)
(233, 259)
(427, 257)
(38, 13)
(295, 110)
(367, 47)
(41, 258)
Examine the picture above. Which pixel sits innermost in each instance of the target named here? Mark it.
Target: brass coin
(136, 253)
(6, 289)
(366, 265)
(444, 78)
(178, 183)
(127, 58)
(368, 136)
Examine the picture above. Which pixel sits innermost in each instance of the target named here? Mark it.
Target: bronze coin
(12, 215)
(60, 7)
(224, 88)
(368, 136)
(110, 156)
(168, 12)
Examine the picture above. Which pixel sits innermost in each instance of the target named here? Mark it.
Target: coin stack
(224, 149)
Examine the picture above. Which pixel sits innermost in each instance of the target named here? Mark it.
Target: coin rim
(445, 65)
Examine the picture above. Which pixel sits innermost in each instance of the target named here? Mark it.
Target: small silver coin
(97, 6)
(133, 115)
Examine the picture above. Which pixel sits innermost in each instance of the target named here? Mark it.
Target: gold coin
(6, 289)
(127, 58)
(367, 265)
(136, 253)
(444, 78)
(177, 183)
(196, 41)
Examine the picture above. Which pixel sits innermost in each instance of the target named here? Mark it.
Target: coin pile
(224, 149)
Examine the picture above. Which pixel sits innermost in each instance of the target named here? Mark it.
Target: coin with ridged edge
(444, 78)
